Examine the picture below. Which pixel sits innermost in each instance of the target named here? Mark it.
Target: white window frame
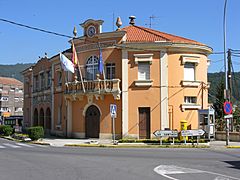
(190, 99)
(190, 102)
(4, 109)
(186, 60)
(143, 61)
(91, 68)
(18, 109)
(4, 98)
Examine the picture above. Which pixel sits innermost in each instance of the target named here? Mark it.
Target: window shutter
(143, 71)
(189, 72)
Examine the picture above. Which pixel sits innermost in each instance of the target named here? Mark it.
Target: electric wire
(35, 28)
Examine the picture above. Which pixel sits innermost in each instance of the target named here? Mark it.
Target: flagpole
(80, 72)
(66, 83)
(104, 78)
(76, 59)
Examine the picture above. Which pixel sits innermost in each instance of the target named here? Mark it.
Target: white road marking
(2, 147)
(24, 145)
(166, 170)
(11, 145)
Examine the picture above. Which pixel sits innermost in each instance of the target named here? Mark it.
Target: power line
(216, 61)
(34, 28)
(213, 53)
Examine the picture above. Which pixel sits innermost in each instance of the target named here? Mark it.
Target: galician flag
(67, 65)
(74, 55)
(100, 62)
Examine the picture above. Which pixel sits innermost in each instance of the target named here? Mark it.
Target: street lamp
(226, 93)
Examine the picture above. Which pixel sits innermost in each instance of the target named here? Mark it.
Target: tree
(219, 100)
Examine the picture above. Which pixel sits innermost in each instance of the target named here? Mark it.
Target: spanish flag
(74, 55)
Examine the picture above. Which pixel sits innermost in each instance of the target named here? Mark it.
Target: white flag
(66, 63)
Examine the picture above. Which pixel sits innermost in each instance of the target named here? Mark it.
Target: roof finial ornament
(75, 31)
(132, 22)
(118, 23)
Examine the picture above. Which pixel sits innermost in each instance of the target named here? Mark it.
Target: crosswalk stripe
(11, 145)
(2, 147)
(24, 145)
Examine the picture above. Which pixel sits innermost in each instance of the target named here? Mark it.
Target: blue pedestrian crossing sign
(113, 110)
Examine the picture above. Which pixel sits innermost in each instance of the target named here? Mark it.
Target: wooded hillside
(14, 71)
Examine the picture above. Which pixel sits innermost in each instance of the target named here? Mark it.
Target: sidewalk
(60, 142)
(222, 144)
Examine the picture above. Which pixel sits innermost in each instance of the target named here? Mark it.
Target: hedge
(6, 130)
(35, 132)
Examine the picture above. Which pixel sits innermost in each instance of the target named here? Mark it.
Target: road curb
(135, 146)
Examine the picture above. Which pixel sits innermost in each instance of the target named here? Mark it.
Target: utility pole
(229, 53)
(229, 75)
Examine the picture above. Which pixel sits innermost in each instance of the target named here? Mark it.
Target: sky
(200, 20)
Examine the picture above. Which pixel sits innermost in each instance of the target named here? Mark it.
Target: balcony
(94, 87)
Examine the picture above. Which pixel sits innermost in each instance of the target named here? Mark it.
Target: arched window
(91, 67)
(35, 117)
(48, 118)
(41, 118)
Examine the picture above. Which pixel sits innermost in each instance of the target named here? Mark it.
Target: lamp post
(226, 93)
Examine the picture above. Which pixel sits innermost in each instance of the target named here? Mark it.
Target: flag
(67, 65)
(100, 62)
(74, 55)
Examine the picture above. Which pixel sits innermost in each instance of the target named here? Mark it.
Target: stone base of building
(80, 135)
(130, 136)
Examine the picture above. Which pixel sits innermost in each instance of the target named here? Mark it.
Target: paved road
(61, 163)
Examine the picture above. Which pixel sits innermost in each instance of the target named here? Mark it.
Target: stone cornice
(171, 47)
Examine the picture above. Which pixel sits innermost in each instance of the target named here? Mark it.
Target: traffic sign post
(165, 133)
(113, 113)
(194, 132)
(227, 106)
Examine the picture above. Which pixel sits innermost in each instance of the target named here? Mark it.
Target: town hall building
(155, 79)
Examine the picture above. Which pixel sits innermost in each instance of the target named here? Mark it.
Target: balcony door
(92, 121)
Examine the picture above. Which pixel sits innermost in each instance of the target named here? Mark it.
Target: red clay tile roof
(10, 81)
(142, 34)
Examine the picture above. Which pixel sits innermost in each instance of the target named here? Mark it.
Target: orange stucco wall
(143, 96)
(177, 91)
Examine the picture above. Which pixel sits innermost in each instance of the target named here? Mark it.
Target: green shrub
(6, 130)
(36, 132)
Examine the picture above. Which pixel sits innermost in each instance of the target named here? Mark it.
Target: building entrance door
(92, 122)
(144, 123)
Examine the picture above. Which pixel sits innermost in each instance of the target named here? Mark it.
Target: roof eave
(171, 46)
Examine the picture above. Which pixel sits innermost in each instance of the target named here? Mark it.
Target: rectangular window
(42, 80)
(189, 72)
(16, 99)
(190, 100)
(110, 71)
(4, 98)
(143, 71)
(59, 121)
(4, 109)
(49, 78)
(18, 109)
(36, 83)
(59, 78)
